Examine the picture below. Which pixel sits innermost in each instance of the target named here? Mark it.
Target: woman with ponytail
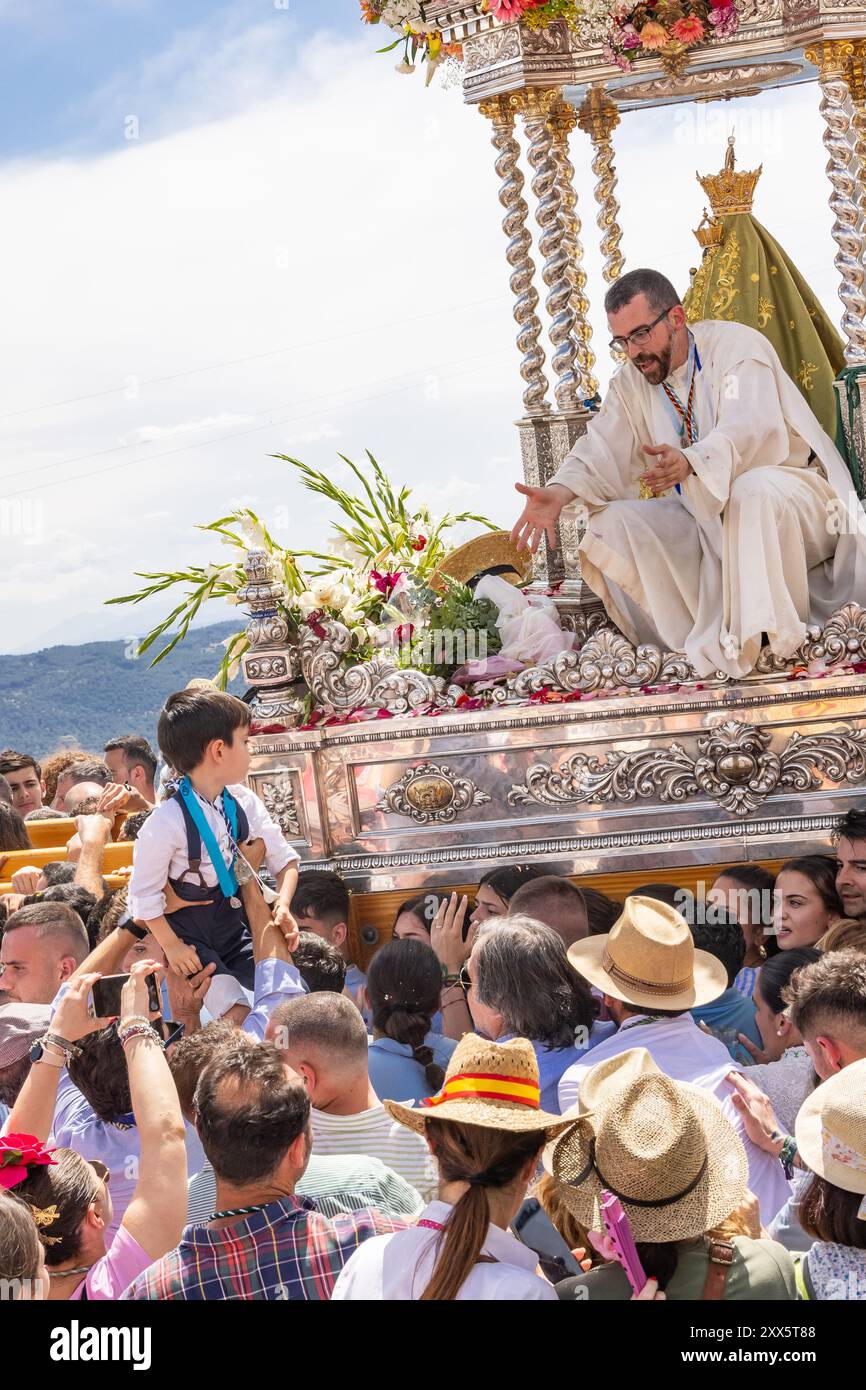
(486, 1131)
(407, 1059)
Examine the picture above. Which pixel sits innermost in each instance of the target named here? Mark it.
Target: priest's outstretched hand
(667, 467)
(539, 515)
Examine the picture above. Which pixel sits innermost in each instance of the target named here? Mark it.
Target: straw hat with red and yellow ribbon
(494, 1085)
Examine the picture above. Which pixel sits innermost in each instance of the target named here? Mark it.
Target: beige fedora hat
(490, 1084)
(663, 1147)
(831, 1129)
(649, 958)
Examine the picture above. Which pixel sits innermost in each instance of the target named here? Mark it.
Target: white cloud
(148, 434)
(324, 240)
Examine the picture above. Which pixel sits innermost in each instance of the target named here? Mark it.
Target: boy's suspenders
(193, 838)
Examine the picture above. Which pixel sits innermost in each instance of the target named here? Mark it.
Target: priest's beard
(655, 367)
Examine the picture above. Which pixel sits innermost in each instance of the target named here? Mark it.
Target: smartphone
(106, 995)
(534, 1228)
(618, 1230)
(169, 1031)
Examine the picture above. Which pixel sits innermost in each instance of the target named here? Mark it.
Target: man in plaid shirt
(253, 1117)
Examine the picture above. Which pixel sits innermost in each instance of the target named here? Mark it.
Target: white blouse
(787, 1082)
(400, 1266)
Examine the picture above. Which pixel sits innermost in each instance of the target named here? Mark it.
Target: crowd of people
(256, 1117)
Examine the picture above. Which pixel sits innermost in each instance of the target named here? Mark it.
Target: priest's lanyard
(684, 415)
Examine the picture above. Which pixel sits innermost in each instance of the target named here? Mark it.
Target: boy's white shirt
(160, 850)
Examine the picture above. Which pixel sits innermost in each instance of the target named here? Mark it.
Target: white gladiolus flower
(330, 592)
(343, 549)
(397, 13)
(253, 533)
(307, 603)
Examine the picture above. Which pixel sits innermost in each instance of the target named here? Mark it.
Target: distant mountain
(88, 694)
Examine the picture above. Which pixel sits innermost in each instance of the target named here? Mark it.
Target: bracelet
(52, 1058)
(67, 1048)
(131, 1018)
(787, 1154)
(138, 1032)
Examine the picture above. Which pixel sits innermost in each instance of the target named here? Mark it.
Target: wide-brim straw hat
(493, 552)
(663, 1147)
(648, 958)
(831, 1129)
(494, 1085)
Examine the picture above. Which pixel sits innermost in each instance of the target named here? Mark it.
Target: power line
(255, 357)
(283, 405)
(236, 434)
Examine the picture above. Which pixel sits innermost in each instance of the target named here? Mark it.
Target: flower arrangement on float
(626, 31)
(373, 576)
(421, 41)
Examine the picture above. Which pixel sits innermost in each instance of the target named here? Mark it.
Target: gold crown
(709, 231)
(729, 191)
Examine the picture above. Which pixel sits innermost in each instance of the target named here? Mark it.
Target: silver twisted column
(500, 110)
(563, 119)
(831, 58)
(599, 117)
(856, 80)
(536, 104)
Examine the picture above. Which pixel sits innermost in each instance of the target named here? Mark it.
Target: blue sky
(56, 55)
(299, 253)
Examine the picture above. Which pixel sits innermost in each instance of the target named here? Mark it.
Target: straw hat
(490, 1084)
(494, 551)
(831, 1129)
(648, 958)
(663, 1147)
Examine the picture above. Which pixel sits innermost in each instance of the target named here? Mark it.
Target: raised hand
(72, 1018)
(667, 467)
(446, 934)
(756, 1109)
(539, 515)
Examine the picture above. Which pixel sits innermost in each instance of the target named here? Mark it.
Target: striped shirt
(286, 1251)
(374, 1133)
(336, 1185)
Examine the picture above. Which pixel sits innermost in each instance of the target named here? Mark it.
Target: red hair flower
(18, 1152)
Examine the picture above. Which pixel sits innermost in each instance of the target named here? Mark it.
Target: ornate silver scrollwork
(606, 660)
(553, 41)
(378, 683)
(841, 639)
(487, 49)
(280, 802)
(735, 766)
(431, 793)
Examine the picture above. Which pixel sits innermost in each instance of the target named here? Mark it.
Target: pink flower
(507, 10)
(629, 36)
(386, 582)
(689, 30)
(653, 36)
(18, 1152)
(622, 62)
(724, 20)
(403, 633)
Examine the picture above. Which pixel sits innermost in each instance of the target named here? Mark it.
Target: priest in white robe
(717, 508)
